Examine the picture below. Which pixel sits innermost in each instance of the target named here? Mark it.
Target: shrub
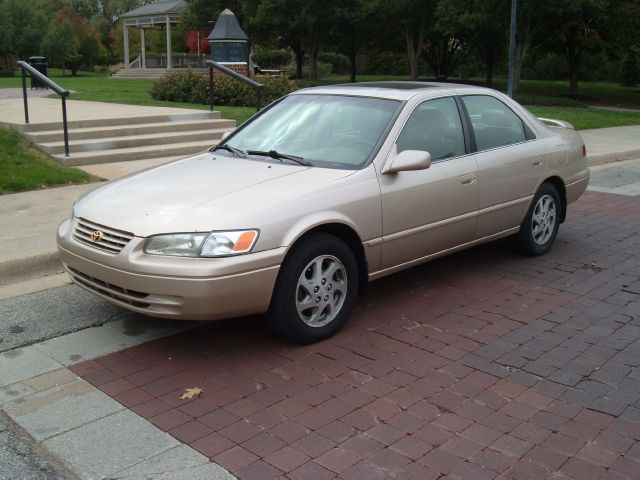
(272, 58)
(387, 63)
(324, 70)
(232, 92)
(550, 66)
(629, 73)
(190, 87)
(9, 72)
(115, 68)
(181, 86)
(339, 62)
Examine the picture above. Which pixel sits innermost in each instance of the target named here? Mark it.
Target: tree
(6, 33)
(60, 44)
(354, 28)
(273, 22)
(577, 23)
(25, 40)
(88, 46)
(411, 17)
(481, 23)
(201, 13)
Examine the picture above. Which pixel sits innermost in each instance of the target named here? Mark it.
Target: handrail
(53, 86)
(252, 83)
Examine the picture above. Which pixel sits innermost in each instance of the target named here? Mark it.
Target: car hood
(201, 193)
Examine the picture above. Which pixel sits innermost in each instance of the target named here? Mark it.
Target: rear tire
(316, 289)
(540, 226)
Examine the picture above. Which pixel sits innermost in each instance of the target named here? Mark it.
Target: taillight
(584, 150)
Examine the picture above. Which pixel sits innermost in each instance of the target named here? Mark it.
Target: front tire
(540, 227)
(316, 289)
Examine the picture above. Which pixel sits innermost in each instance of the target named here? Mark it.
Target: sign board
(227, 52)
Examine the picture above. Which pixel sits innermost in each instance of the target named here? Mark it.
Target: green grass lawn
(22, 167)
(587, 118)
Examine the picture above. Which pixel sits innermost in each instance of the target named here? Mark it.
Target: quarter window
(434, 127)
(494, 124)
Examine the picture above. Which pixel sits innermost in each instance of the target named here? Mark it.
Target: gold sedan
(323, 191)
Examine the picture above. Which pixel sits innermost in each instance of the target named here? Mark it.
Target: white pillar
(125, 30)
(143, 50)
(168, 44)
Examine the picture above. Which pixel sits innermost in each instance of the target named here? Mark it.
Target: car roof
(396, 90)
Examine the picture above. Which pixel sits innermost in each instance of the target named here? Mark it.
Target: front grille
(111, 240)
(121, 294)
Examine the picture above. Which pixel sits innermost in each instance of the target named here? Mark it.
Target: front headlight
(214, 244)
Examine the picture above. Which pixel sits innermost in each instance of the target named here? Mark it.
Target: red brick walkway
(481, 365)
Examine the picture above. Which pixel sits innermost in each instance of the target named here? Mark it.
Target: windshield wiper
(281, 156)
(236, 151)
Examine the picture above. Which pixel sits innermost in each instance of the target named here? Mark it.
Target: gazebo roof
(227, 28)
(159, 7)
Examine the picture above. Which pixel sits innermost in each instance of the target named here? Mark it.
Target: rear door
(511, 163)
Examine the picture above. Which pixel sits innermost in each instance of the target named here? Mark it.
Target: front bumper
(172, 287)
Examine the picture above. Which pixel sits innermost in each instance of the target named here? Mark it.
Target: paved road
(33, 318)
(18, 461)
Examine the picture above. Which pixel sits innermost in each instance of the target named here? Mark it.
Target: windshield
(326, 130)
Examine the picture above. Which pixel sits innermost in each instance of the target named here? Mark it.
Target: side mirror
(225, 135)
(408, 160)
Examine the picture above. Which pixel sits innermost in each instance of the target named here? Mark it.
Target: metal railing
(53, 86)
(252, 83)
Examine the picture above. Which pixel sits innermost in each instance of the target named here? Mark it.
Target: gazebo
(159, 14)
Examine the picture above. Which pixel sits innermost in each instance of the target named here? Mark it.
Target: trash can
(40, 64)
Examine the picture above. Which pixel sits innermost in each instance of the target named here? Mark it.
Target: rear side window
(494, 124)
(434, 127)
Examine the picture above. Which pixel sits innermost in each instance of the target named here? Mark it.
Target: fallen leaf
(190, 393)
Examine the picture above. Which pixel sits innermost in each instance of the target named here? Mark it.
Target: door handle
(468, 179)
(537, 162)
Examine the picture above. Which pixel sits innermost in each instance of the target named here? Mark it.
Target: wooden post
(143, 50)
(125, 30)
(168, 44)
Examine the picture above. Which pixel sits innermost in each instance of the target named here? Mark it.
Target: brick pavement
(481, 365)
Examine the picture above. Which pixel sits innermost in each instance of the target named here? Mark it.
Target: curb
(612, 157)
(26, 268)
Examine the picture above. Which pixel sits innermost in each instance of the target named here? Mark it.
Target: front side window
(435, 127)
(333, 131)
(494, 124)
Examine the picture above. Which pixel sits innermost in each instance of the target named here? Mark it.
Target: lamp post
(512, 46)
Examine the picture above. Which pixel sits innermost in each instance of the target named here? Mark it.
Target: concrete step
(111, 143)
(134, 153)
(118, 121)
(128, 130)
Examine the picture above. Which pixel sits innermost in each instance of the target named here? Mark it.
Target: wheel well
(351, 238)
(559, 184)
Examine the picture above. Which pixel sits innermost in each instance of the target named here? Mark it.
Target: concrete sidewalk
(28, 221)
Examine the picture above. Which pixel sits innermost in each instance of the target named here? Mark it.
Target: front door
(428, 211)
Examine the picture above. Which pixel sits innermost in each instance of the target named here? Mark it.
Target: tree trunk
(299, 59)
(352, 65)
(574, 74)
(489, 75)
(313, 62)
(574, 59)
(521, 53)
(414, 49)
